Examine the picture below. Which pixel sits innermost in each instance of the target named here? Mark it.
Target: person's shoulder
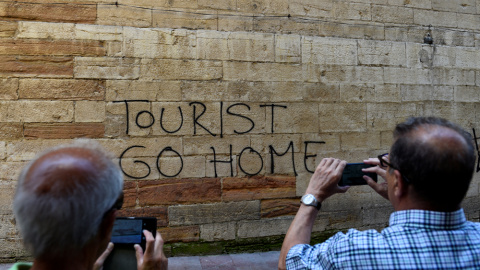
(21, 266)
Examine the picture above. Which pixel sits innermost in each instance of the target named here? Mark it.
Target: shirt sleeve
(319, 256)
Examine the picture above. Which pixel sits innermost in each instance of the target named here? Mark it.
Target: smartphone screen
(353, 175)
(128, 231)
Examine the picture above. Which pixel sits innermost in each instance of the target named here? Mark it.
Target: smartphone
(353, 175)
(128, 231)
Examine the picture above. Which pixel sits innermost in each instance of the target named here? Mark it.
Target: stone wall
(218, 111)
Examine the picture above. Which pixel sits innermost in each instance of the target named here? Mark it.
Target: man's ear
(399, 186)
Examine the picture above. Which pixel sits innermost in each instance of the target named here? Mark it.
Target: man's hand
(324, 182)
(154, 258)
(99, 262)
(380, 188)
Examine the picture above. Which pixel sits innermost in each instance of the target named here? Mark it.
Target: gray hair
(56, 225)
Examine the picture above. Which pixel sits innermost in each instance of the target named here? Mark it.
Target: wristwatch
(309, 199)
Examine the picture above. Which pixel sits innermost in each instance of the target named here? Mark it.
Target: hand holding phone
(154, 258)
(353, 174)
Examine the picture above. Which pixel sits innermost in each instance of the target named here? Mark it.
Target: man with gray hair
(427, 174)
(65, 206)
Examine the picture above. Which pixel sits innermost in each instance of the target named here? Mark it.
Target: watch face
(309, 199)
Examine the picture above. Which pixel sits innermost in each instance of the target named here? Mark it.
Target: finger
(150, 244)
(138, 254)
(105, 254)
(343, 189)
(374, 185)
(372, 161)
(340, 166)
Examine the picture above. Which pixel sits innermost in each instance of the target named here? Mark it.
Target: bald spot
(57, 173)
(441, 138)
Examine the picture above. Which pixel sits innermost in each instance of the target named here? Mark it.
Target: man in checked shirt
(427, 175)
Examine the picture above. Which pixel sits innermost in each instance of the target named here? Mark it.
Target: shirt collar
(429, 219)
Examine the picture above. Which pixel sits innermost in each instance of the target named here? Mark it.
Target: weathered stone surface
(180, 234)
(351, 117)
(201, 19)
(49, 12)
(36, 111)
(7, 29)
(288, 48)
(438, 18)
(46, 47)
(213, 213)
(279, 207)
(11, 131)
(61, 89)
(165, 69)
(388, 14)
(124, 15)
(263, 227)
(8, 88)
(237, 71)
(106, 68)
(144, 90)
(381, 53)
(41, 66)
(64, 131)
(251, 47)
(45, 30)
(90, 111)
(218, 231)
(179, 191)
(326, 51)
(254, 188)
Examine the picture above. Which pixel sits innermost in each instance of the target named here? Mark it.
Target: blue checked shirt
(415, 239)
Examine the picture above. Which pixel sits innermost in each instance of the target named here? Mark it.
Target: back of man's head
(437, 157)
(62, 196)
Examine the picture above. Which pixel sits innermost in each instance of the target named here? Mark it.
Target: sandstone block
(13, 247)
(179, 191)
(40, 66)
(443, 92)
(64, 131)
(106, 68)
(389, 14)
(8, 29)
(288, 48)
(374, 32)
(322, 9)
(297, 117)
(233, 21)
(218, 231)
(148, 147)
(381, 53)
(217, 4)
(360, 141)
(322, 92)
(303, 178)
(263, 227)
(234, 124)
(251, 47)
(143, 90)
(451, 76)
(329, 51)
(284, 165)
(467, 58)
(8, 88)
(416, 92)
(463, 115)
(468, 21)
(141, 168)
(160, 212)
(332, 143)
(462, 6)
(177, 119)
(237, 71)
(10, 170)
(89, 111)
(394, 75)
(437, 18)
(46, 30)
(61, 89)
(386, 139)
(337, 73)
(467, 93)
(194, 166)
(10, 131)
(3, 148)
(280, 7)
(261, 143)
(177, 18)
(213, 213)
(201, 146)
(130, 195)
(7, 191)
(45, 47)
(439, 109)
(7, 226)
(98, 32)
(36, 111)
(250, 162)
(212, 45)
(413, 4)
(49, 12)
(279, 207)
(357, 92)
(169, 69)
(283, 25)
(180, 234)
(123, 15)
(352, 11)
(385, 116)
(459, 38)
(254, 188)
(352, 117)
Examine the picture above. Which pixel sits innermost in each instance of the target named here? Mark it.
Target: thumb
(343, 189)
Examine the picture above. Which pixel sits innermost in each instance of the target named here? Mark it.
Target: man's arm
(323, 184)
